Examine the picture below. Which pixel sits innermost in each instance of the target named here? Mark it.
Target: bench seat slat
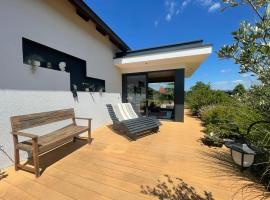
(54, 139)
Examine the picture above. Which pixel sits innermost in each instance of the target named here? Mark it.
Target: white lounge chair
(130, 123)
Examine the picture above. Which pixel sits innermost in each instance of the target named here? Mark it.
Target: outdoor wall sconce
(62, 66)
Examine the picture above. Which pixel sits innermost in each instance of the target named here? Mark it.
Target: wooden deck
(115, 168)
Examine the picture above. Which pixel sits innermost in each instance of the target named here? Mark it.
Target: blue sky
(148, 23)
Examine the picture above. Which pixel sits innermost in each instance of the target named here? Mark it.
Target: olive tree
(251, 46)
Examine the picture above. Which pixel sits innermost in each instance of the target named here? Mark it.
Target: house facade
(52, 52)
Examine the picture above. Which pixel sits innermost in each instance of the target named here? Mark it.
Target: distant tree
(251, 46)
(201, 95)
(200, 86)
(239, 89)
(170, 91)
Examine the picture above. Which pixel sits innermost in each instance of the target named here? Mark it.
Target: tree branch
(255, 9)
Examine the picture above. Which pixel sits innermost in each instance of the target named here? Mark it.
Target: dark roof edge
(87, 13)
(161, 49)
(170, 45)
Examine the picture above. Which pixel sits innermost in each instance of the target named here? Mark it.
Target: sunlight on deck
(114, 168)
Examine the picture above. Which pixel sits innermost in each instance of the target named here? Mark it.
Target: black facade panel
(179, 89)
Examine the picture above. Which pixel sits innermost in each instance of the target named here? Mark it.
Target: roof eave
(87, 14)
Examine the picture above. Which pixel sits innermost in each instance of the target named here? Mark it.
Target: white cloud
(211, 5)
(246, 75)
(185, 3)
(205, 2)
(174, 7)
(229, 85)
(156, 23)
(214, 7)
(238, 81)
(168, 17)
(171, 9)
(225, 70)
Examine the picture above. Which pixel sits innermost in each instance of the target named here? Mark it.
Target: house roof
(162, 49)
(188, 55)
(85, 12)
(184, 55)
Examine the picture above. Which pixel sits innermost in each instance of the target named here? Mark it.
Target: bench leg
(35, 157)
(89, 132)
(16, 153)
(16, 159)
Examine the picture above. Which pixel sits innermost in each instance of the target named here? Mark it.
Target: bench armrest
(29, 135)
(83, 118)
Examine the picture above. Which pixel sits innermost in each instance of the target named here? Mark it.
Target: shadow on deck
(57, 154)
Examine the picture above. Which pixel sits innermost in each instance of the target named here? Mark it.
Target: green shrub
(258, 97)
(223, 120)
(201, 95)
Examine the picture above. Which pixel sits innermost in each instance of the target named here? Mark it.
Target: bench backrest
(38, 119)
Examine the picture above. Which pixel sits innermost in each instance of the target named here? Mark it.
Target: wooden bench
(38, 145)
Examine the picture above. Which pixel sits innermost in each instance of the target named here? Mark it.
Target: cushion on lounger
(124, 111)
(118, 112)
(130, 110)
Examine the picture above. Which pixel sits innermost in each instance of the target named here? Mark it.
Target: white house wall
(54, 24)
(19, 102)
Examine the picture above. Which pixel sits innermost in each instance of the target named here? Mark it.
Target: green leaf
(267, 12)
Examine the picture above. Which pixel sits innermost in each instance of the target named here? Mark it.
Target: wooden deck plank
(114, 168)
(117, 174)
(71, 190)
(104, 186)
(30, 186)
(10, 192)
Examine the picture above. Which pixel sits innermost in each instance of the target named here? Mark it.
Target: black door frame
(124, 87)
(179, 91)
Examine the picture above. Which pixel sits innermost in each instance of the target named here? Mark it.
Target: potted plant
(62, 66)
(35, 61)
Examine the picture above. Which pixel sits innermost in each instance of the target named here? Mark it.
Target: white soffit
(190, 59)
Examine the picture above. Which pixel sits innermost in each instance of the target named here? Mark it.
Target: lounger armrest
(83, 118)
(29, 135)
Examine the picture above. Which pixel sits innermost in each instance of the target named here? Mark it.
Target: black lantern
(242, 151)
(242, 154)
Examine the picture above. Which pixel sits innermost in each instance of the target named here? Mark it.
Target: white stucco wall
(19, 102)
(54, 24)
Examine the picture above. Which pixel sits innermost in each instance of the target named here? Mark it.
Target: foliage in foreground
(231, 116)
(251, 48)
(251, 51)
(258, 98)
(227, 121)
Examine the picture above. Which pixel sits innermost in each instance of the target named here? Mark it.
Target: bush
(224, 120)
(225, 116)
(258, 97)
(239, 89)
(201, 95)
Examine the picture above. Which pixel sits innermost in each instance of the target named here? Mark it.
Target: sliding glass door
(135, 91)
